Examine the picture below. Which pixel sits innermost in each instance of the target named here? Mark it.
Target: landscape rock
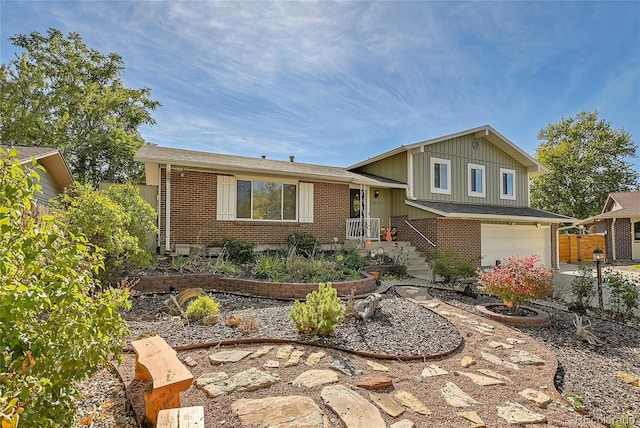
(312, 378)
(537, 397)
(190, 361)
(517, 414)
(230, 356)
(409, 401)
(352, 409)
(456, 397)
(629, 378)
(233, 320)
(375, 382)
(513, 341)
(494, 344)
(344, 366)
(209, 378)
(280, 412)
(387, 404)
(271, 364)
(467, 361)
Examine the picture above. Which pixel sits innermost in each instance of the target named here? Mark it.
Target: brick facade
(193, 213)
(624, 244)
(460, 236)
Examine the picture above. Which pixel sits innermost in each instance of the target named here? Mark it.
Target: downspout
(159, 207)
(613, 239)
(167, 212)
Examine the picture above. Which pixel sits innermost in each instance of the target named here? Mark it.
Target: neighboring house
(467, 192)
(56, 176)
(620, 222)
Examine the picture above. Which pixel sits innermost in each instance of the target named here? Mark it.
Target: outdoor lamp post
(597, 257)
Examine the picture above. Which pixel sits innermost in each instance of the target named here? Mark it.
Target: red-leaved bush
(517, 280)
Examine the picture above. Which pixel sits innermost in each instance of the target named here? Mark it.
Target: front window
(265, 200)
(636, 231)
(507, 183)
(440, 176)
(476, 180)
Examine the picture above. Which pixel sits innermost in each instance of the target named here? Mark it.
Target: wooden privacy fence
(579, 248)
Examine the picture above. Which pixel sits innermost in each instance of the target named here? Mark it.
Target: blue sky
(335, 83)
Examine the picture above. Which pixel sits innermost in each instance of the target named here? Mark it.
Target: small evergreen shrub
(237, 251)
(582, 286)
(320, 313)
(202, 307)
(451, 266)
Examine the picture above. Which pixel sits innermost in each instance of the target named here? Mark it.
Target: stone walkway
(499, 377)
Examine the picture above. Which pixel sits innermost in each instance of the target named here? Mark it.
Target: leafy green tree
(116, 219)
(56, 326)
(588, 160)
(59, 93)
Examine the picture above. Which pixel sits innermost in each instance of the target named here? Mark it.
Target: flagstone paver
(284, 352)
(493, 374)
(261, 352)
(433, 370)
(499, 361)
(524, 357)
(517, 414)
(377, 367)
(467, 361)
(271, 364)
(409, 401)
(537, 397)
(316, 377)
(231, 356)
(456, 397)
(314, 358)
(405, 423)
(294, 358)
(280, 412)
(387, 404)
(482, 380)
(345, 366)
(352, 409)
(247, 380)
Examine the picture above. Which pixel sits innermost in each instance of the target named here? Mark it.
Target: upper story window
(476, 183)
(265, 200)
(440, 176)
(507, 183)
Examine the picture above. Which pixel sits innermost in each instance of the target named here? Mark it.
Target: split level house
(466, 192)
(619, 221)
(56, 175)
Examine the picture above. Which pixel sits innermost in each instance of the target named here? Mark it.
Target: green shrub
(202, 307)
(304, 242)
(320, 313)
(237, 251)
(451, 266)
(352, 260)
(116, 220)
(582, 286)
(61, 327)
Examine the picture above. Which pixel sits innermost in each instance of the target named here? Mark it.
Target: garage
(499, 241)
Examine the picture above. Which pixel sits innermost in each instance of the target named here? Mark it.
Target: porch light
(376, 193)
(597, 255)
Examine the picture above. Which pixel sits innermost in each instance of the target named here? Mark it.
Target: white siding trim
(226, 199)
(305, 202)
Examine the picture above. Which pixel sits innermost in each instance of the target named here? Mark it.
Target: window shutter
(226, 209)
(306, 203)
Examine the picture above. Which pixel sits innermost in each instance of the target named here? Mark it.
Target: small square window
(440, 176)
(476, 175)
(507, 183)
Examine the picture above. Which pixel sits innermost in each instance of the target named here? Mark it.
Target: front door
(356, 197)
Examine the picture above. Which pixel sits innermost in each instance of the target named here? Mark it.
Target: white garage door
(500, 241)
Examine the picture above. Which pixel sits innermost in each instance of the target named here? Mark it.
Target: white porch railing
(363, 229)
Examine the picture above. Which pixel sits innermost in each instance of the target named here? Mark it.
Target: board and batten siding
(460, 152)
(393, 168)
(49, 187)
